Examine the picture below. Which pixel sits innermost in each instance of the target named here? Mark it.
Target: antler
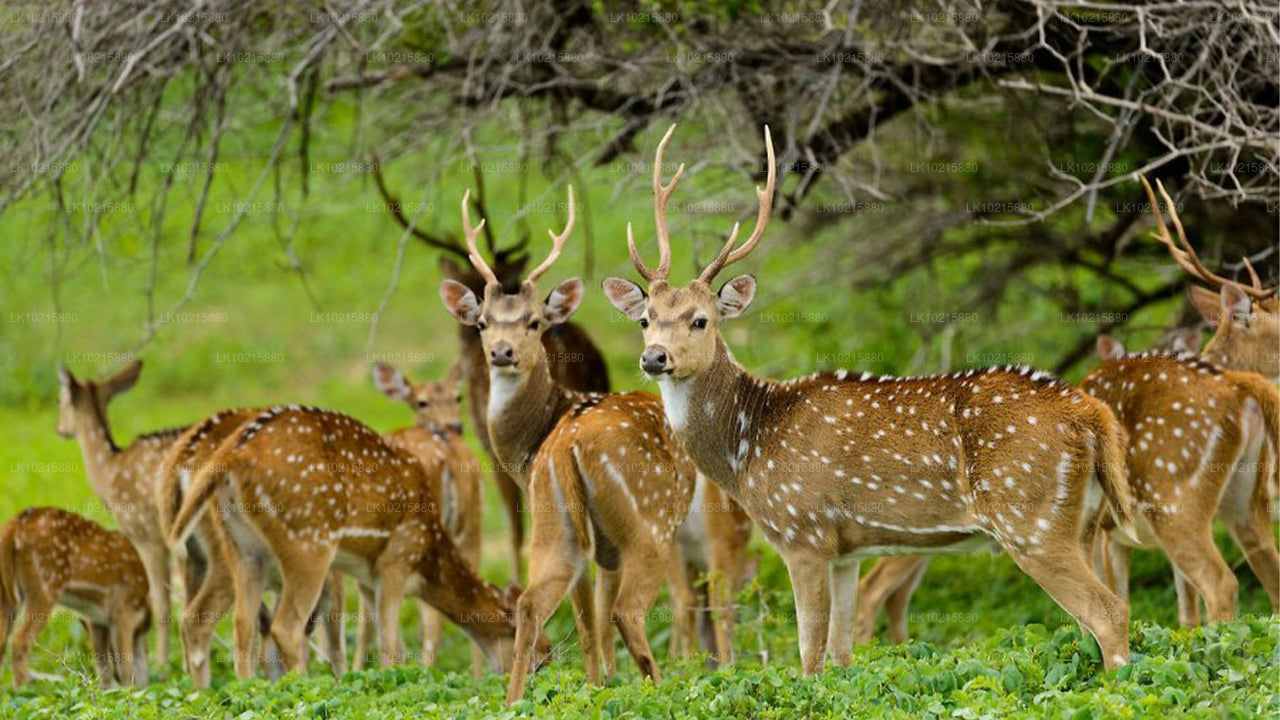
(471, 233)
(728, 255)
(1186, 256)
(661, 194)
(557, 244)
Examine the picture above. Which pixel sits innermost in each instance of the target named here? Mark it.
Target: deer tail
(1110, 465)
(208, 479)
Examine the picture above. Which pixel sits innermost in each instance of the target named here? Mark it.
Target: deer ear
(1186, 340)
(563, 301)
(391, 381)
(1205, 303)
(735, 296)
(1109, 348)
(122, 380)
(449, 268)
(65, 378)
(1235, 305)
(453, 375)
(460, 301)
(511, 595)
(628, 297)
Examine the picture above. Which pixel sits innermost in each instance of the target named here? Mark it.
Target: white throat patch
(675, 401)
(502, 387)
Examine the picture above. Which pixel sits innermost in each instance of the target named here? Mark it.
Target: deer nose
(654, 360)
(502, 354)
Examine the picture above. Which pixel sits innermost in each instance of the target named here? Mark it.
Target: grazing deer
(835, 466)
(124, 479)
(215, 594)
(603, 478)
(436, 440)
(301, 491)
(1203, 431)
(53, 557)
(573, 360)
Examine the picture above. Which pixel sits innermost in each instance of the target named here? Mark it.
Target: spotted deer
(214, 595)
(301, 491)
(834, 466)
(435, 440)
(124, 479)
(601, 475)
(1203, 430)
(53, 557)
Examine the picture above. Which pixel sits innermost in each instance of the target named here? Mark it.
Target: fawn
(53, 557)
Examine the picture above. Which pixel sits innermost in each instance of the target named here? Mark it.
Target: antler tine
(1186, 256)
(661, 195)
(557, 244)
(471, 233)
(728, 255)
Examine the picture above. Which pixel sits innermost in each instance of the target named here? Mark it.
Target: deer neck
(716, 415)
(453, 588)
(522, 410)
(97, 446)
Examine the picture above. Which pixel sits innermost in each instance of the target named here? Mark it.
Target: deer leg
(875, 589)
(897, 607)
(390, 595)
(584, 619)
(1188, 600)
(199, 619)
(367, 629)
(100, 640)
(1117, 565)
(430, 626)
(809, 583)
(1193, 553)
(1072, 583)
(684, 607)
(552, 569)
(155, 561)
(728, 532)
(844, 601)
(248, 581)
(607, 582)
(510, 492)
(39, 606)
(331, 611)
(303, 583)
(1251, 530)
(636, 593)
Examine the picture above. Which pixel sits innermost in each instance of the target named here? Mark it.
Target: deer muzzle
(654, 361)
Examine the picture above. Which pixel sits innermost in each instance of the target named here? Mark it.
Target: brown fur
(124, 479)
(302, 490)
(53, 557)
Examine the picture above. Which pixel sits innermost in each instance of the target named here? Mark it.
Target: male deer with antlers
(1202, 436)
(124, 479)
(436, 441)
(53, 557)
(573, 360)
(603, 478)
(835, 465)
(302, 490)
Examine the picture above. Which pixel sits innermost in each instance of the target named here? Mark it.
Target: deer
(1202, 440)
(603, 478)
(210, 600)
(1203, 433)
(435, 440)
(301, 491)
(124, 479)
(50, 557)
(573, 359)
(840, 465)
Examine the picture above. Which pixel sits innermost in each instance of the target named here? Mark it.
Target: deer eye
(644, 322)
(422, 403)
(459, 399)
(534, 325)
(700, 323)
(481, 325)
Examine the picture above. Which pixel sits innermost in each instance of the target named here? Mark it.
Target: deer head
(83, 405)
(1109, 348)
(1244, 317)
(681, 324)
(511, 324)
(437, 406)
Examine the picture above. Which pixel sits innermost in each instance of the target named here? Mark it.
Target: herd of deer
(1148, 451)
